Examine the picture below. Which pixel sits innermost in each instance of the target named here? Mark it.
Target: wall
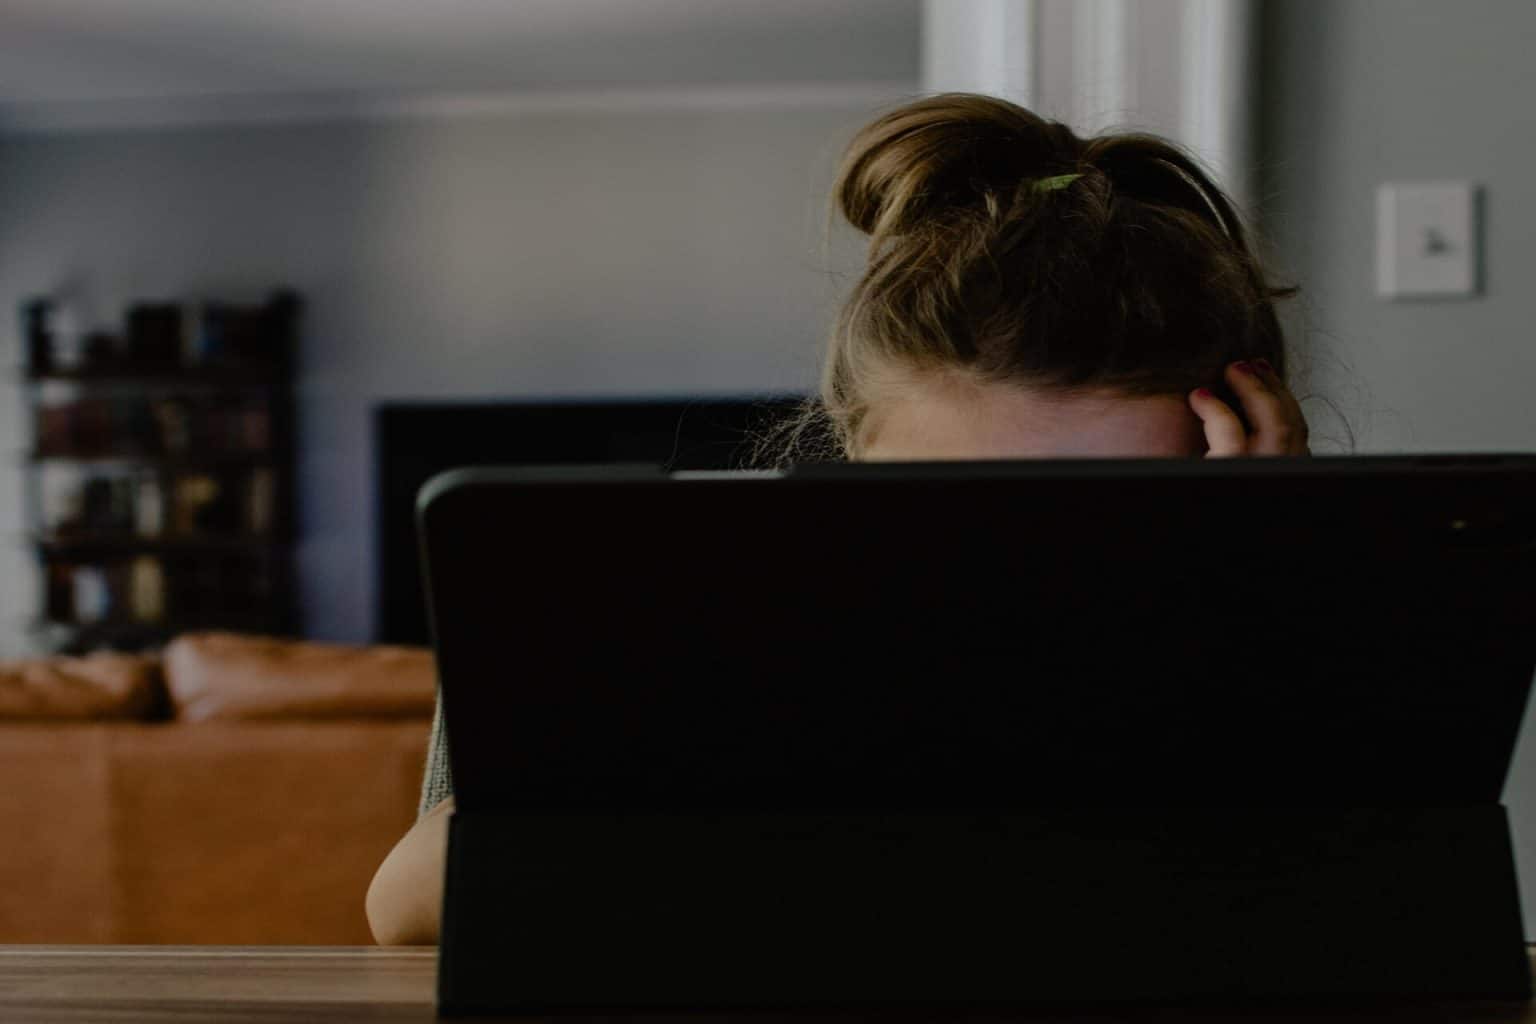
(1364, 91)
(1367, 91)
(665, 251)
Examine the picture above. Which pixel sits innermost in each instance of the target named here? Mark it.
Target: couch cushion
(228, 833)
(257, 832)
(229, 676)
(56, 826)
(98, 686)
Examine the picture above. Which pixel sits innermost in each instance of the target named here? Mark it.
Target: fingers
(1274, 416)
(1224, 436)
(1267, 412)
(1296, 418)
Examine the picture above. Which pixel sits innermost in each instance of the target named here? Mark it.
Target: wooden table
(279, 985)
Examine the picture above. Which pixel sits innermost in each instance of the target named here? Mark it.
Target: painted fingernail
(1263, 364)
(1245, 367)
(1204, 392)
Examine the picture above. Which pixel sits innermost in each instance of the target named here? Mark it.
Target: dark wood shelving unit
(222, 377)
(76, 544)
(179, 479)
(170, 461)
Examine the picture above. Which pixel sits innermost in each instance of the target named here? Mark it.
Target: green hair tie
(1055, 184)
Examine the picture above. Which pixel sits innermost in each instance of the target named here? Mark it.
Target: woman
(1029, 294)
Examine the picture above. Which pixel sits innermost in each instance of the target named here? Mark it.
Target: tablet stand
(980, 910)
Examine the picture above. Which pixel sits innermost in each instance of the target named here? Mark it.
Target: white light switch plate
(1426, 240)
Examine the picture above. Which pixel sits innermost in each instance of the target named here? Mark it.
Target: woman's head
(1030, 292)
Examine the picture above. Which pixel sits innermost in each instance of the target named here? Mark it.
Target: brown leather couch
(229, 790)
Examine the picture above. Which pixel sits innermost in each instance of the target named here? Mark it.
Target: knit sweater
(437, 783)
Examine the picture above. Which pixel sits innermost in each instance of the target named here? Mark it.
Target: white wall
(1357, 93)
(580, 253)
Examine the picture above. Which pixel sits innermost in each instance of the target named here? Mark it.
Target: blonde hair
(1003, 247)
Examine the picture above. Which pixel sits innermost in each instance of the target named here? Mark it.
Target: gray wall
(584, 253)
(1357, 92)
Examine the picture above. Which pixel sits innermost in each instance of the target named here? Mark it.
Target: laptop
(981, 735)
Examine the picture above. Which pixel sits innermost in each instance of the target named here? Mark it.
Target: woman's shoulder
(437, 780)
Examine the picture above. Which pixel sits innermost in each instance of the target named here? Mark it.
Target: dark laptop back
(1087, 697)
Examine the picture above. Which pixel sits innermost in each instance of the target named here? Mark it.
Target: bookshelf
(159, 478)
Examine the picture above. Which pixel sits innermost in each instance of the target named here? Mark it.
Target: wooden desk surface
(283, 984)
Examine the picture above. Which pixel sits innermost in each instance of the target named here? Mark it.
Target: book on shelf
(261, 502)
(148, 506)
(146, 593)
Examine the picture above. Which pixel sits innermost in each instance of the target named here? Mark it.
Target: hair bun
(946, 152)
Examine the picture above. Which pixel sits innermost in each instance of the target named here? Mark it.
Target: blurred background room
(266, 265)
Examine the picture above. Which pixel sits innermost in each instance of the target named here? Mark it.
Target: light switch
(1426, 240)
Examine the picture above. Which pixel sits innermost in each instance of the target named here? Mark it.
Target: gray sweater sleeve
(437, 783)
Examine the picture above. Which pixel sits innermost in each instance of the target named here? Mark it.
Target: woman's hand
(1279, 428)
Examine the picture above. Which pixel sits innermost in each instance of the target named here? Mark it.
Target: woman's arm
(405, 900)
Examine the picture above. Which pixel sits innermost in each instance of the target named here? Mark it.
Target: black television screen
(415, 441)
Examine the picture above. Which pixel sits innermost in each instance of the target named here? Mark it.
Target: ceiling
(102, 51)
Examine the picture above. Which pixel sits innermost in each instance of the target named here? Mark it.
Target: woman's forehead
(937, 418)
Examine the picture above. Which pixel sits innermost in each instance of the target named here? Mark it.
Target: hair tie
(1055, 184)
